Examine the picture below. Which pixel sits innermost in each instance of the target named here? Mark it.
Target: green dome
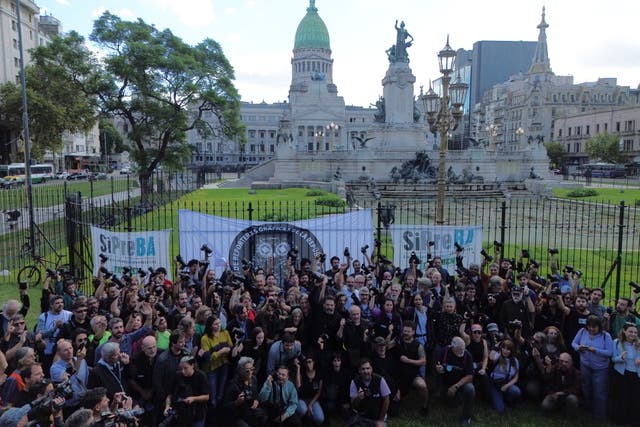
(311, 32)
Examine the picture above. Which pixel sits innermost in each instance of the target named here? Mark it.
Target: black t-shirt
(455, 368)
(195, 385)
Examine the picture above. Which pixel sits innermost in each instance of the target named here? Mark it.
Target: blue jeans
(499, 397)
(217, 381)
(595, 384)
(318, 415)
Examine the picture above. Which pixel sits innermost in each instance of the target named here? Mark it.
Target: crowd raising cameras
(339, 346)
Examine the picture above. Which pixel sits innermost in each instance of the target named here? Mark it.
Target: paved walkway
(50, 213)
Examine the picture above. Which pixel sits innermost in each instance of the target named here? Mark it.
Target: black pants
(624, 392)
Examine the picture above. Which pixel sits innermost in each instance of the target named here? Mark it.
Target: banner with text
(414, 238)
(234, 240)
(131, 249)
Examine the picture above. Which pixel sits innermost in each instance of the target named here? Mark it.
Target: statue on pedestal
(400, 52)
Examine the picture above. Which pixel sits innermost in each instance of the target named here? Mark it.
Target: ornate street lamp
(332, 128)
(443, 115)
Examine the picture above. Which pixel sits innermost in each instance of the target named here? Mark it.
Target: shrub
(582, 192)
(314, 193)
(637, 203)
(274, 217)
(330, 201)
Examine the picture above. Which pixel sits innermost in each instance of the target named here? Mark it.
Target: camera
(105, 273)
(142, 273)
(486, 256)
(497, 244)
(609, 310)
(51, 272)
(322, 257)
(293, 253)
(22, 285)
(525, 253)
(364, 249)
(431, 243)
(414, 258)
(238, 334)
(346, 253)
(272, 303)
(515, 324)
(553, 251)
(246, 264)
(324, 337)
(206, 249)
(568, 268)
(117, 282)
(317, 276)
(635, 286)
(458, 247)
(180, 261)
(126, 270)
(121, 416)
(103, 258)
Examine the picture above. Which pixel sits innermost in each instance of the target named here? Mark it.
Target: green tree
(57, 99)
(163, 88)
(555, 152)
(110, 138)
(604, 147)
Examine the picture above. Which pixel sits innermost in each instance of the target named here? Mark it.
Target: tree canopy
(555, 152)
(604, 147)
(163, 88)
(57, 95)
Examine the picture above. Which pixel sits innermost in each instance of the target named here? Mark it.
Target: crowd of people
(317, 345)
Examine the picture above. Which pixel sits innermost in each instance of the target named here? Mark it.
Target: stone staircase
(424, 191)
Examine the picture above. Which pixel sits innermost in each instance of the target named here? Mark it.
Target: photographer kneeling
(241, 397)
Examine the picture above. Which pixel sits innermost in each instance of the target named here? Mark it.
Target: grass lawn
(605, 195)
(52, 194)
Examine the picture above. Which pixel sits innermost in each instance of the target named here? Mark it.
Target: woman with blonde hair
(625, 379)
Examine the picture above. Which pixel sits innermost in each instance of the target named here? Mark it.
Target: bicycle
(32, 274)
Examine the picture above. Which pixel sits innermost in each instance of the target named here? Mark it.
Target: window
(14, 26)
(261, 134)
(597, 127)
(578, 147)
(15, 43)
(617, 126)
(252, 148)
(588, 129)
(300, 130)
(606, 127)
(16, 62)
(628, 145)
(252, 134)
(559, 133)
(569, 131)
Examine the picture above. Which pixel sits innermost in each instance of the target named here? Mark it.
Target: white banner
(233, 240)
(410, 238)
(131, 249)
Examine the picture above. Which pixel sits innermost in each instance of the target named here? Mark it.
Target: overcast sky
(586, 39)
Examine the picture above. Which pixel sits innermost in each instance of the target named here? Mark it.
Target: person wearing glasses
(240, 401)
(79, 319)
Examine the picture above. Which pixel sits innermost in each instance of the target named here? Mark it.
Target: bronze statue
(402, 35)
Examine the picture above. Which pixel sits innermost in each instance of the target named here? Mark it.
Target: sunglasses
(476, 332)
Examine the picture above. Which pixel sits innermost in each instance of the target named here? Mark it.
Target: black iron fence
(104, 203)
(600, 239)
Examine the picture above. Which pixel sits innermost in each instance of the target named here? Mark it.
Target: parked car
(97, 176)
(62, 175)
(125, 171)
(77, 176)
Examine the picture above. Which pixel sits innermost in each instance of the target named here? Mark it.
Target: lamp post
(332, 128)
(318, 137)
(443, 115)
(519, 133)
(492, 133)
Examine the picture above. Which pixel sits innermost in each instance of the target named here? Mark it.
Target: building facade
(573, 131)
(525, 108)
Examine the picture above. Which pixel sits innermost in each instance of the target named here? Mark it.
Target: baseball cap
(380, 341)
(13, 416)
(492, 327)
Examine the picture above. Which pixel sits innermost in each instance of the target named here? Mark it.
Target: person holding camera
(283, 352)
(216, 353)
(166, 368)
(503, 377)
(279, 396)
(621, 316)
(562, 381)
(625, 380)
(141, 378)
(595, 347)
(33, 376)
(518, 312)
(189, 396)
(411, 359)
(17, 336)
(309, 385)
(79, 319)
(370, 397)
(110, 370)
(50, 326)
(72, 368)
(240, 402)
(455, 368)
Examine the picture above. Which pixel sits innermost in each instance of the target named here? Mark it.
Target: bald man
(140, 378)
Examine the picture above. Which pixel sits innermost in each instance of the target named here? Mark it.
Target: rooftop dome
(311, 32)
